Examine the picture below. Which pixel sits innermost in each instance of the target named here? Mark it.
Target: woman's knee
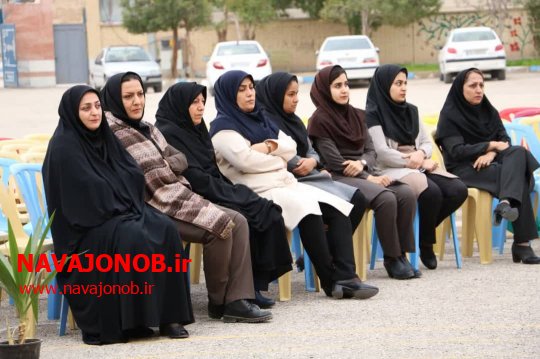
(385, 201)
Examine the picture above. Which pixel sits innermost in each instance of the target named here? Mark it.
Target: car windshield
(124, 54)
(473, 36)
(347, 44)
(238, 49)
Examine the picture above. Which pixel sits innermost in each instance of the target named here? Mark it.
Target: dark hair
(476, 71)
(130, 76)
(336, 72)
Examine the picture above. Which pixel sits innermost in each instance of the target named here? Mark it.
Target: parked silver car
(115, 59)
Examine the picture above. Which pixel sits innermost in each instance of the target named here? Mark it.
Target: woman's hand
(265, 147)
(429, 165)
(326, 173)
(497, 146)
(384, 181)
(484, 160)
(352, 168)
(304, 166)
(415, 159)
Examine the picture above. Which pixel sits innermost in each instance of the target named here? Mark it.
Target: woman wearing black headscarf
(179, 118)
(278, 94)
(404, 153)
(477, 148)
(340, 136)
(251, 150)
(96, 191)
(223, 232)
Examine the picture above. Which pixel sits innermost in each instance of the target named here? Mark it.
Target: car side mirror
(158, 61)
(439, 47)
(206, 58)
(377, 49)
(98, 62)
(317, 53)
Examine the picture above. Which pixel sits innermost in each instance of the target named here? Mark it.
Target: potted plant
(13, 279)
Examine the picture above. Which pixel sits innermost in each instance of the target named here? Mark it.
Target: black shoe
(397, 269)
(524, 254)
(405, 260)
(300, 263)
(504, 210)
(215, 311)
(173, 330)
(262, 301)
(139, 332)
(353, 288)
(427, 257)
(243, 311)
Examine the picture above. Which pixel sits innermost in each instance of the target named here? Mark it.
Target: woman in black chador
(180, 119)
(96, 191)
(477, 148)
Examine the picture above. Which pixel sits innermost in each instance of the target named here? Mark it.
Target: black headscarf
(270, 94)
(113, 183)
(475, 123)
(253, 126)
(399, 121)
(343, 124)
(112, 101)
(174, 122)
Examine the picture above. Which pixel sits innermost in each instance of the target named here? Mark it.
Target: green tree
(533, 12)
(253, 13)
(140, 16)
(221, 25)
(312, 7)
(365, 16)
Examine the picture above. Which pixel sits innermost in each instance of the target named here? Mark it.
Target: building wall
(34, 41)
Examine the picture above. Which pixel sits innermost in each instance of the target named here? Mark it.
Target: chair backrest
(508, 114)
(30, 184)
(436, 154)
(5, 174)
(522, 135)
(9, 209)
(41, 137)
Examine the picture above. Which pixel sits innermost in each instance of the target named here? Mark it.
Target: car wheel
(501, 75)
(441, 77)
(447, 78)
(158, 88)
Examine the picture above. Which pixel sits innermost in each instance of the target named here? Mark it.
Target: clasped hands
(416, 160)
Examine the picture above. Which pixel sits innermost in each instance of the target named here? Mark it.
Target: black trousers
(332, 251)
(360, 204)
(508, 177)
(440, 199)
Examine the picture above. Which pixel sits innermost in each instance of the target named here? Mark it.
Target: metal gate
(70, 53)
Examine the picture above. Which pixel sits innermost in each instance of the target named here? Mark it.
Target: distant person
(403, 150)
(251, 150)
(278, 94)
(339, 134)
(180, 120)
(477, 148)
(95, 189)
(223, 232)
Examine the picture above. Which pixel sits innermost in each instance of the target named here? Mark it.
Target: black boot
(173, 330)
(215, 311)
(397, 269)
(243, 311)
(262, 301)
(405, 260)
(353, 288)
(524, 254)
(427, 256)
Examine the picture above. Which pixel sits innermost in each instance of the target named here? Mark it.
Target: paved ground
(480, 311)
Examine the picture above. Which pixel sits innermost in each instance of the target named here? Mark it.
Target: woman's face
(245, 97)
(398, 90)
(196, 109)
(473, 89)
(290, 100)
(133, 99)
(339, 88)
(90, 111)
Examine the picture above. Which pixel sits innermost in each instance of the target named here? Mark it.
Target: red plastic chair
(508, 114)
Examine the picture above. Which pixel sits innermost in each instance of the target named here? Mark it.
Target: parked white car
(115, 59)
(248, 56)
(467, 47)
(355, 53)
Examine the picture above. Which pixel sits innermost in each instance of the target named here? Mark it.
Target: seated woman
(223, 232)
(180, 119)
(476, 148)
(340, 136)
(250, 150)
(96, 190)
(404, 153)
(278, 94)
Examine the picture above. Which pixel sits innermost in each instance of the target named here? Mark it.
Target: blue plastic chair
(309, 273)
(5, 164)
(26, 175)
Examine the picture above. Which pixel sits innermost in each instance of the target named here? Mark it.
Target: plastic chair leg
(284, 282)
(53, 299)
(414, 258)
(63, 316)
(455, 239)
